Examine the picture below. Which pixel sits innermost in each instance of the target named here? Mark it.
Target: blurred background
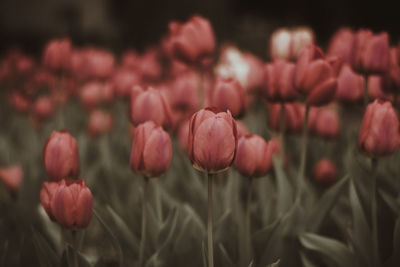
(136, 24)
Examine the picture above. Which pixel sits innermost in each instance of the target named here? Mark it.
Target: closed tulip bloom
(46, 197)
(60, 156)
(302, 37)
(72, 204)
(294, 116)
(149, 66)
(19, 102)
(99, 63)
(325, 173)
(375, 57)
(123, 80)
(254, 155)
(375, 88)
(212, 140)
(379, 131)
(57, 53)
(241, 129)
(183, 90)
(279, 78)
(149, 105)
(151, 150)
(11, 177)
(43, 107)
(255, 74)
(229, 94)
(100, 122)
(192, 41)
(315, 77)
(350, 86)
(341, 44)
(95, 93)
(391, 79)
(324, 122)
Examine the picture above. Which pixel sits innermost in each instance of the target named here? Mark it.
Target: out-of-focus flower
(375, 90)
(46, 196)
(254, 155)
(183, 135)
(149, 66)
(325, 173)
(43, 107)
(212, 140)
(279, 77)
(192, 41)
(151, 150)
(379, 131)
(60, 156)
(100, 122)
(350, 86)
(255, 75)
(149, 105)
(19, 102)
(315, 77)
(370, 52)
(324, 122)
(341, 44)
(294, 116)
(184, 92)
(11, 177)
(57, 54)
(72, 204)
(241, 129)
(228, 94)
(289, 44)
(95, 93)
(391, 79)
(130, 59)
(99, 63)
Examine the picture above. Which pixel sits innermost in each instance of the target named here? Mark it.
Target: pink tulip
(325, 173)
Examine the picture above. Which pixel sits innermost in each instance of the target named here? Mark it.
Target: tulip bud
(99, 63)
(151, 150)
(341, 44)
(323, 122)
(123, 80)
(212, 140)
(57, 54)
(43, 107)
(350, 87)
(149, 66)
(184, 92)
(19, 102)
(72, 204)
(60, 156)
(46, 197)
(379, 131)
(149, 105)
(228, 94)
(254, 155)
(375, 90)
(99, 122)
(279, 81)
(325, 173)
(12, 177)
(315, 77)
(294, 116)
(255, 74)
(192, 41)
(241, 129)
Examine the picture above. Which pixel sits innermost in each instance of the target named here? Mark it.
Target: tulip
(99, 122)
(341, 44)
(315, 77)
(183, 135)
(72, 204)
(46, 197)
(184, 92)
(57, 53)
(60, 156)
(350, 86)
(99, 63)
(130, 59)
(193, 41)
(19, 102)
(254, 155)
(94, 93)
(12, 177)
(255, 74)
(325, 173)
(212, 140)
(229, 94)
(294, 116)
(241, 129)
(123, 80)
(375, 90)
(279, 78)
(149, 105)
(43, 107)
(151, 150)
(323, 122)
(379, 131)
(232, 63)
(391, 79)
(149, 66)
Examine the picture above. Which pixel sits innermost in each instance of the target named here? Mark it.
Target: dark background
(118, 25)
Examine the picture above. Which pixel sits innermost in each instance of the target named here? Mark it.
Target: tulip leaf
(319, 212)
(395, 258)
(390, 201)
(225, 256)
(306, 261)
(284, 188)
(275, 264)
(45, 250)
(261, 237)
(330, 248)
(68, 258)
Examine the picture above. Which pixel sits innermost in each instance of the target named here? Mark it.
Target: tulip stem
(74, 243)
(366, 97)
(248, 223)
(282, 128)
(144, 215)
(374, 222)
(210, 222)
(303, 158)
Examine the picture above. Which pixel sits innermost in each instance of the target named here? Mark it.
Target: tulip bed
(189, 155)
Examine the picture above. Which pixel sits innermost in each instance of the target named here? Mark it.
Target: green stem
(210, 222)
(303, 158)
(374, 221)
(74, 243)
(144, 215)
(248, 255)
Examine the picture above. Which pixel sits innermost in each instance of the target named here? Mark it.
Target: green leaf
(46, 254)
(284, 188)
(306, 261)
(330, 248)
(275, 264)
(390, 201)
(225, 256)
(319, 212)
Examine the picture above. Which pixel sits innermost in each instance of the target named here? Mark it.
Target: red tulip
(99, 122)
(57, 53)
(391, 79)
(323, 122)
(315, 77)
(60, 156)
(184, 92)
(99, 63)
(375, 89)
(212, 140)
(12, 177)
(279, 78)
(19, 102)
(294, 116)
(350, 87)
(341, 44)
(43, 107)
(241, 129)
(254, 155)
(325, 173)
(379, 131)
(72, 204)
(255, 74)
(149, 66)
(130, 59)
(149, 105)
(228, 94)
(123, 80)
(151, 150)
(95, 93)
(193, 41)
(46, 197)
